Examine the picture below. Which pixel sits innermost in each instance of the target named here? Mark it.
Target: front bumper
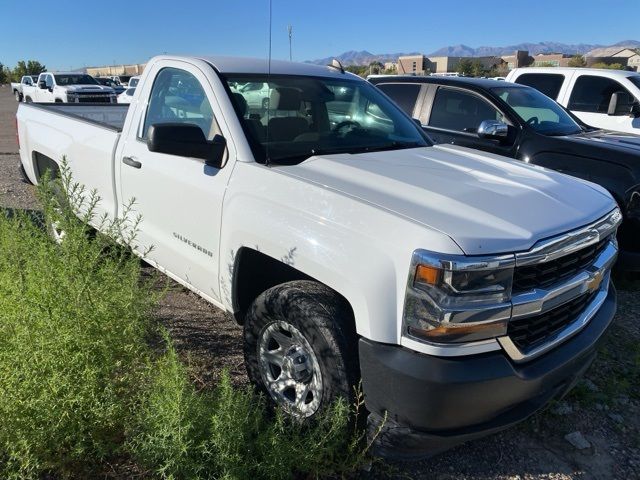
(433, 403)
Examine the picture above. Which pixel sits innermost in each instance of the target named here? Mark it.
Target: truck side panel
(87, 148)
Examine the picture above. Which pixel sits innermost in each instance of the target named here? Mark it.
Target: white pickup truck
(465, 289)
(68, 88)
(608, 99)
(26, 80)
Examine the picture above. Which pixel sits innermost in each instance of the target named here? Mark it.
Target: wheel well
(45, 164)
(254, 272)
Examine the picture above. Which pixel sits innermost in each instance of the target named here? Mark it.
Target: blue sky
(121, 31)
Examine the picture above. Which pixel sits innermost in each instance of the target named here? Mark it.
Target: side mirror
(620, 104)
(42, 85)
(186, 140)
(493, 129)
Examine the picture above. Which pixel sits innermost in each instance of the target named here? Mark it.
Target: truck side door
(178, 198)
(453, 115)
(590, 98)
(46, 94)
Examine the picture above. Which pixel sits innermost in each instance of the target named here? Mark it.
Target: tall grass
(80, 385)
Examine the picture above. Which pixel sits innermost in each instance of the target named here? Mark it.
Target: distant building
(391, 66)
(520, 58)
(116, 70)
(551, 60)
(634, 62)
(424, 65)
(625, 57)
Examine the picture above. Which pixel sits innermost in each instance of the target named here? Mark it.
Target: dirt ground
(602, 412)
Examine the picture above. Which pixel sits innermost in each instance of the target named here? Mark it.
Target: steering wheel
(533, 121)
(345, 124)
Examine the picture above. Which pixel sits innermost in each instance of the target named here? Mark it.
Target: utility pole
(290, 30)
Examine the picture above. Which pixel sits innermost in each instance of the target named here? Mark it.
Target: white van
(608, 99)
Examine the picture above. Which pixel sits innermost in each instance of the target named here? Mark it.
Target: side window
(404, 94)
(48, 80)
(593, 94)
(547, 83)
(460, 111)
(178, 97)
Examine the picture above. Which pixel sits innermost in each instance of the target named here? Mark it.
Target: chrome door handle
(131, 162)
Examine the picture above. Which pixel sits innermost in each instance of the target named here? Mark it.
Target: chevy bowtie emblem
(594, 283)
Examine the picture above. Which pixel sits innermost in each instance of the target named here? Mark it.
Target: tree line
(24, 67)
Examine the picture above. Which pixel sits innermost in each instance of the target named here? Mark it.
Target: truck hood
(88, 89)
(486, 203)
(617, 141)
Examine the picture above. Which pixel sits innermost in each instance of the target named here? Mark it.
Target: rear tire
(299, 347)
(18, 96)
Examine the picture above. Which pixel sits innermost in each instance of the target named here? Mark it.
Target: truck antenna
(266, 157)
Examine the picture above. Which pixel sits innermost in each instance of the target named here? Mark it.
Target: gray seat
(282, 129)
(254, 125)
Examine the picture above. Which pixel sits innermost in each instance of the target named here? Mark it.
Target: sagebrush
(80, 384)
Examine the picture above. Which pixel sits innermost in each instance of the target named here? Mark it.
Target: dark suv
(520, 122)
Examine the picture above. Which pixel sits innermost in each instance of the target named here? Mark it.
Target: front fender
(359, 250)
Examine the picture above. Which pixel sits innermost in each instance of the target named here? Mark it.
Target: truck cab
(607, 99)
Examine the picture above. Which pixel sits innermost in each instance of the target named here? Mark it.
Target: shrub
(73, 322)
(80, 384)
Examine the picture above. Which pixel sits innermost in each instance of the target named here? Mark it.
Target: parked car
(519, 122)
(107, 82)
(68, 88)
(608, 99)
(27, 80)
(256, 94)
(121, 79)
(350, 250)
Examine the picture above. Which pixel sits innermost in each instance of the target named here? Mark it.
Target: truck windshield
(75, 79)
(635, 79)
(291, 118)
(538, 111)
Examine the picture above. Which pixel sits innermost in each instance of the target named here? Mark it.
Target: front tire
(299, 347)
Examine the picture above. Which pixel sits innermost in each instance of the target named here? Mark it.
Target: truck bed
(110, 116)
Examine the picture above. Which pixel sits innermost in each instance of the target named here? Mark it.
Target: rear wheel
(18, 96)
(298, 347)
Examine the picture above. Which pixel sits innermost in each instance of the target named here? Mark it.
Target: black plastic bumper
(433, 403)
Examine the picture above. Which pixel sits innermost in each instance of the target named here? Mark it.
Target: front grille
(544, 275)
(83, 98)
(530, 332)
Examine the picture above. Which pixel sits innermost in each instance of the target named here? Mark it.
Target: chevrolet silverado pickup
(466, 290)
(16, 88)
(520, 122)
(68, 88)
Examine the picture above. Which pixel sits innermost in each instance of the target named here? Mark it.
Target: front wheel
(300, 347)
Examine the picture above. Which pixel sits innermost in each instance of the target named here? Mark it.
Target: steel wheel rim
(289, 369)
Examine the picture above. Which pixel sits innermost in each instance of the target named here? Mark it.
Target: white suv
(608, 99)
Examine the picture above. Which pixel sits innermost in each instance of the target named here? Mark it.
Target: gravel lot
(604, 409)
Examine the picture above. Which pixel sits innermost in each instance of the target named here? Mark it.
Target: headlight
(458, 299)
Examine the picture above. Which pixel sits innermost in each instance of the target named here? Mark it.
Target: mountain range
(364, 57)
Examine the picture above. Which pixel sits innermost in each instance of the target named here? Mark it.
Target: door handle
(131, 162)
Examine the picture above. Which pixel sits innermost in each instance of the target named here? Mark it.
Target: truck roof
(440, 80)
(606, 72)
(249, 65)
